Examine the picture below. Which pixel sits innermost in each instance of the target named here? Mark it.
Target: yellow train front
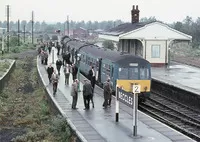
(132, 70)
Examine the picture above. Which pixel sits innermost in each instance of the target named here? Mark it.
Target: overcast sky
(98, 10)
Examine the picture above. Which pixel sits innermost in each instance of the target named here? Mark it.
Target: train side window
(97, 64)
(108, 68)
(112, 71)
(83, 58)
(88, 61)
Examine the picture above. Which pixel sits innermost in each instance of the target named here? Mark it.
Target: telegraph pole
(24, 32)
(68, 25)
(18, 32)
(32, 25)
(64, 29)
(8, 27)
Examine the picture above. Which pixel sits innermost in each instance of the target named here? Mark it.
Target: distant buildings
(83, 34)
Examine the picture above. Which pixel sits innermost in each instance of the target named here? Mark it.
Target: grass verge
(24, 111)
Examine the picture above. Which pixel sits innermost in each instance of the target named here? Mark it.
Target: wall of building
(163, 56)
(131, 46)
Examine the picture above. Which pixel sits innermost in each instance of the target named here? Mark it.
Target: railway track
(174, 114)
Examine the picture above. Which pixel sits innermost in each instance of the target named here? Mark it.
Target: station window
(155, 51)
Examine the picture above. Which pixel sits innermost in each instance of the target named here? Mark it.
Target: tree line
(187, 26)
(45, 27)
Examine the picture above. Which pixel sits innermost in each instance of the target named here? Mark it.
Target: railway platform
(98, 124)
(182, 76)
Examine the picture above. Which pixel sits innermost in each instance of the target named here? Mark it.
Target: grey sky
(98, 10)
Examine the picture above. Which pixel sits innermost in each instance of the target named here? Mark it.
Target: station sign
(136, 88)
(125, 97)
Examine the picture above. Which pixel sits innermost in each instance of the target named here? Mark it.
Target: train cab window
(133, 73)
(144, 73)
(123, 73)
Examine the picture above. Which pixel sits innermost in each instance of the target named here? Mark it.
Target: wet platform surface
(98, 124)
(183, 76)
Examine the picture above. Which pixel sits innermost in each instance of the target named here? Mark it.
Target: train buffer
(98, 124)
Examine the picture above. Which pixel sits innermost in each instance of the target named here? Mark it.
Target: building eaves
(123, 28)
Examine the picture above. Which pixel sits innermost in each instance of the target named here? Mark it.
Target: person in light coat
(107, 91)
(74, 93)
(67, 73)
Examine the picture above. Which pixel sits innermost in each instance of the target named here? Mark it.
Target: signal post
(129, 99)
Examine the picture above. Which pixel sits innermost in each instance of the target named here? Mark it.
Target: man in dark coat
(92, 80)
(42, 56)
(50, 70)
(107, 92)
(58, 65)
(87, 92)
(66, 58)
(49, 48)
(45, 57)
(74, 72)
(50, 43)
(58, 48)
(92, 77)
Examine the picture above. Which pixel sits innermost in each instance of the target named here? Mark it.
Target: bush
(61, 127)
(15, 49)
(108, 44)
(13, 41)
(4, 66)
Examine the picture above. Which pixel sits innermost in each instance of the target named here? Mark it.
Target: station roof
(151, 30)
(124, 28)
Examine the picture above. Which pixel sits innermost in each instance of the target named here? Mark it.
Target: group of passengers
(69, 68)
(88, 91)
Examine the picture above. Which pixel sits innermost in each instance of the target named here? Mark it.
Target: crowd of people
(70, 68)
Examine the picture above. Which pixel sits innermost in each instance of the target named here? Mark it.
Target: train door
(99, 64)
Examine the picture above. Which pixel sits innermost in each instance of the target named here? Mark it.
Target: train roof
(122, 59)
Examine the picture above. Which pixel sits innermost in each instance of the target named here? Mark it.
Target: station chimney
(135, 14)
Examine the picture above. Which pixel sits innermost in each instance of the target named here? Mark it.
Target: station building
(152, 40)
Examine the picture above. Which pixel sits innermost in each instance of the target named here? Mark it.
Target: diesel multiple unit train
(124, 70)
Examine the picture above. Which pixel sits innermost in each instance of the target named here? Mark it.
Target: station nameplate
(125, 97)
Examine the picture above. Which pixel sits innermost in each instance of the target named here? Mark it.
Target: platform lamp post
(169, 57)
(78, 61)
